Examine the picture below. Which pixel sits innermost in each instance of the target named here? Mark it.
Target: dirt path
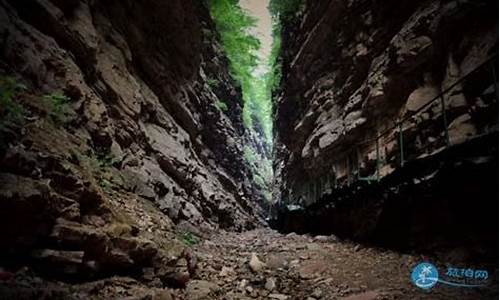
(303, 267)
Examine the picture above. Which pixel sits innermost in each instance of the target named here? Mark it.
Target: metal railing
(399, 125)
(401, 153)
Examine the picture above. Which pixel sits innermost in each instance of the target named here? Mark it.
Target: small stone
(200, 289)
(317, 293)
(270, 284)
(243, 284)
(321, 238)
(278, 296)
(225, 271)
(255, 264)
(276, 261)
(148, 273)
(313, 247)
(177, 278)
(162, 295)
(68, 262)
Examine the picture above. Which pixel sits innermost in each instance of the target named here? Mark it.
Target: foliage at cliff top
(281, 11)
(240, 45)
(234, 25)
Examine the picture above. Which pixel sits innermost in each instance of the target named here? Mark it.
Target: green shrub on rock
(11, 112)
(222, 105)
(59, 107)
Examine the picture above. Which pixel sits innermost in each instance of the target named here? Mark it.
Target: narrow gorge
(253, 149)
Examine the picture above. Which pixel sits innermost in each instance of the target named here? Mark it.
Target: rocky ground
(263, 264)
(304, 267)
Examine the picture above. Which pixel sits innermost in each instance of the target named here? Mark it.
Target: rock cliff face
(120, 136)
(352, 70)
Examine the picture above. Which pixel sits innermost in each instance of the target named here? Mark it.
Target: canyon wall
(352, 111)
(120, 136)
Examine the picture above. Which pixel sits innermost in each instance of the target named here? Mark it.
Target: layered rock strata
(119, 139)
(371, 88)
(353, 69)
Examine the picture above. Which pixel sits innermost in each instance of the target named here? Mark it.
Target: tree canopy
(241, 47)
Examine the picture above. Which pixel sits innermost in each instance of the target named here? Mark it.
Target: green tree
(234, 26)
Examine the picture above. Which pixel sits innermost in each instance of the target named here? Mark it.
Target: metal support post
(495, 78)
(401, 144)
(445, 121)
(378, 159)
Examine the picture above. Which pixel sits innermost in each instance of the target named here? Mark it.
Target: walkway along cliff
(386, 124)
